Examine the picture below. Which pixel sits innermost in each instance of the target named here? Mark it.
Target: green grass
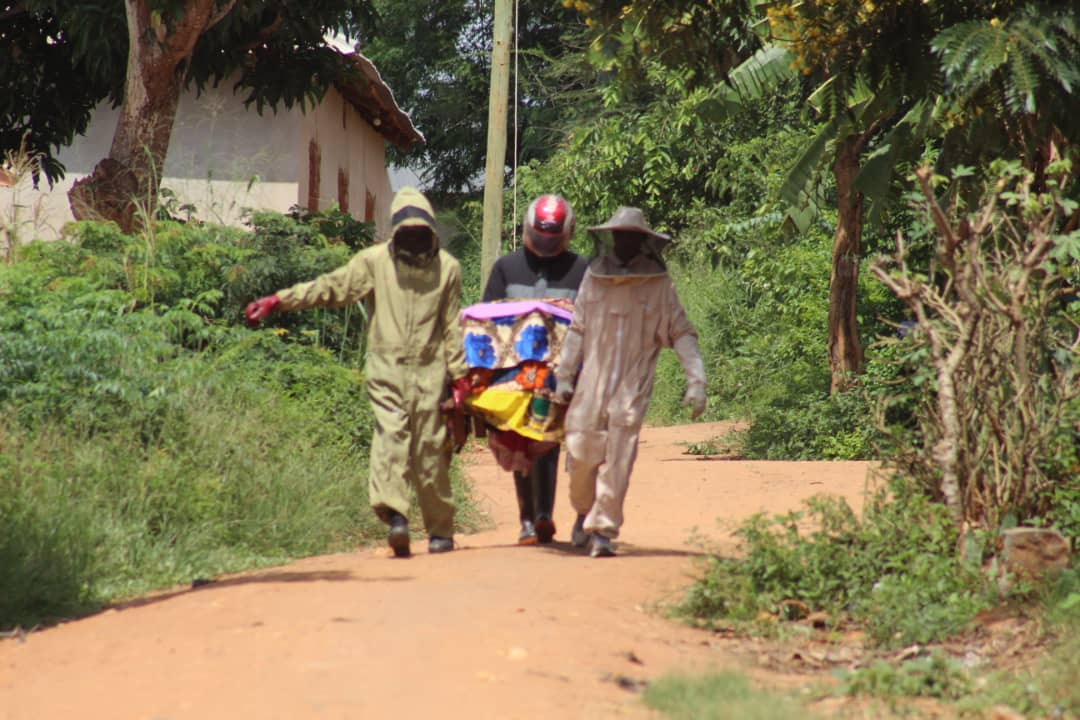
(935, 676)
(242, 479)
(719, 696)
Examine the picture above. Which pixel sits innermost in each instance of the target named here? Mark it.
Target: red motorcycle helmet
(548, 225)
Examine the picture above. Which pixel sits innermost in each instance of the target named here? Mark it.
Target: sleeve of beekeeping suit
(350, 283)
(684, 340)
(571, 355)
(686, 347)
(453, 344)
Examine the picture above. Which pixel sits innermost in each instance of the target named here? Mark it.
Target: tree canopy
(56, 64)
(436, 55)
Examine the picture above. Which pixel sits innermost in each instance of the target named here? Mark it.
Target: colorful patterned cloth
(511, 348)
(507, 333)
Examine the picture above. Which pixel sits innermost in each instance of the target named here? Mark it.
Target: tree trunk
(127, 180)
(845, 352)
(945, 451)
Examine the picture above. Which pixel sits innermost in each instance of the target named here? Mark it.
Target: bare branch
(220, 15)
(940, 221)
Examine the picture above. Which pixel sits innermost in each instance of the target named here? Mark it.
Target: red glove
(256, 311)
(460, 389)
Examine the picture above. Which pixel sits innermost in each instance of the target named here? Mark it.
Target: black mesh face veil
(627, 235)
(627, 244)
(412, 221)
(415, 245)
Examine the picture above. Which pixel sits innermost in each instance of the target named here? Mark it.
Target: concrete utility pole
(496, 140)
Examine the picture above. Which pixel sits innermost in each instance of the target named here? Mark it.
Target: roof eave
(373, 99)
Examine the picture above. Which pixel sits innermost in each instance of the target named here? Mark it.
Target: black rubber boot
(545, 529)
(437, 544)
(398, 536)
(526, 508)
(544, 473)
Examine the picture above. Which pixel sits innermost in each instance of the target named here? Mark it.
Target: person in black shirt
(544, 268)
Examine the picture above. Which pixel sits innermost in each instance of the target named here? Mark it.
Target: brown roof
(374, 100)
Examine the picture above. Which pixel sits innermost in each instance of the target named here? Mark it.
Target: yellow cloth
(509, 410)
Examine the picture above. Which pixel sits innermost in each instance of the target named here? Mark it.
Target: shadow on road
(622, 549)
(273, 576)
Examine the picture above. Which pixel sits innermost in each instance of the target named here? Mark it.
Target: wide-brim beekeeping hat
(631, 219)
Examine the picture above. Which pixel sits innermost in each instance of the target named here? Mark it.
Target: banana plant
(853, 117)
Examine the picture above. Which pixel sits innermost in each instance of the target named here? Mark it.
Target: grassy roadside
(718, 696)
(1026, 668)
(147, 439)
(880, 609)
(243, 477)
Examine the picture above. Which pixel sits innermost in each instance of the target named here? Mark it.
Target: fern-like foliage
(1030, 61)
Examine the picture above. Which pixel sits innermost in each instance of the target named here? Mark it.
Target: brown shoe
(545, 530)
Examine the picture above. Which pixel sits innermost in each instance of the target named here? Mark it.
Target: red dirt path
(491, 630)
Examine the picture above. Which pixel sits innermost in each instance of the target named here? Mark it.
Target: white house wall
(225, 159)
(343, 142)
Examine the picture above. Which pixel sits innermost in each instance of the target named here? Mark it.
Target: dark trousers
(536, 489)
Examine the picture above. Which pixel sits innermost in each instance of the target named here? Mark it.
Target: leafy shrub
(992, 360)
(935, 675)
(892, 570)
(761, 331)
(206, 273)
(801, 426)
(1064, 511)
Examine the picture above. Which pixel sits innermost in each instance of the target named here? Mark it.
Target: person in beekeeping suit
(414, 349)
(543, 268)
(626, 311)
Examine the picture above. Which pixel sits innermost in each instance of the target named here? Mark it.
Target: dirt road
(492, 630)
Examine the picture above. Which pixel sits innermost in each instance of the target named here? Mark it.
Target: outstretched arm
(350, 283)
(686, 347)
